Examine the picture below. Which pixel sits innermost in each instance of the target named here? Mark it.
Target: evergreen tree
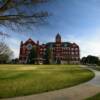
(32, 56)
(47, 56)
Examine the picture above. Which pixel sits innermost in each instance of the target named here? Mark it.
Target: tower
(58, 38)
(58, 48)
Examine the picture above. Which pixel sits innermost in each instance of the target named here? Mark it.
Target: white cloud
(89, 43)
(14, 44)
(16, 52)
(90, 48)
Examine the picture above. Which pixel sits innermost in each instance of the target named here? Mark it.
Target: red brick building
(65, 52)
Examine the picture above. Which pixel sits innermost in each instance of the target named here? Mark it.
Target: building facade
(62, 52)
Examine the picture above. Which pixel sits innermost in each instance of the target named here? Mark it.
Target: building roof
(29, 41)
(58, 35)
(51, 44)
(63, 44)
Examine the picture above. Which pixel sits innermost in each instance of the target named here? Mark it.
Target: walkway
(78, 92)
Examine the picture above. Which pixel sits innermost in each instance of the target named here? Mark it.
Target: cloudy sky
(76, 20)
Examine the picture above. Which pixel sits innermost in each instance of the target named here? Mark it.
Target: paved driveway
(96, 80)
(78, 92)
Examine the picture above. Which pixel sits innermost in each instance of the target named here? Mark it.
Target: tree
(15, 61)
(83, 60)
(4, 49)
(3, 34)
(5, 53)
(21, 12)
(32, 56)
(58, 61)
(99, 63)
(47, 56)
(90, 60)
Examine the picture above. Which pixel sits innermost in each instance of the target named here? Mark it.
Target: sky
(76, 20)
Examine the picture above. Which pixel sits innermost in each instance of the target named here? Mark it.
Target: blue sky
(76, 20)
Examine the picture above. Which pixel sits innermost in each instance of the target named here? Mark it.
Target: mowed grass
(19, 80)
(96, 97)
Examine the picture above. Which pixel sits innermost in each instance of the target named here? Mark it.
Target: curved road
(96, 80)
(78, 92)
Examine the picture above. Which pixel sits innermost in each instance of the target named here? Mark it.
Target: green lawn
(18, 80)
(96, 97)
(95, 67)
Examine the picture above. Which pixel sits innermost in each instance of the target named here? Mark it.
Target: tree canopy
(5, 53)
(32, 55)
(47, 56)
(90, 60)
(22, 12)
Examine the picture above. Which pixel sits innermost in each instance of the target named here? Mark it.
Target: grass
(96, 97)
(95, 67)
(19, 80)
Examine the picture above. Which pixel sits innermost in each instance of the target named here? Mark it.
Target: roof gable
(29, 41)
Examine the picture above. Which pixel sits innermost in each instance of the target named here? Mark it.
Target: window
(72, 53)
(76, 53)
(72, 49)
(76, 49)
(65, 45)
(23, 50)
(29, 46)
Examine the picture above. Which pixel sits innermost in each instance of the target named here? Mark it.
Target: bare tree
(4, 34)
(4, 49)
(16, 13)
(5, 53)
